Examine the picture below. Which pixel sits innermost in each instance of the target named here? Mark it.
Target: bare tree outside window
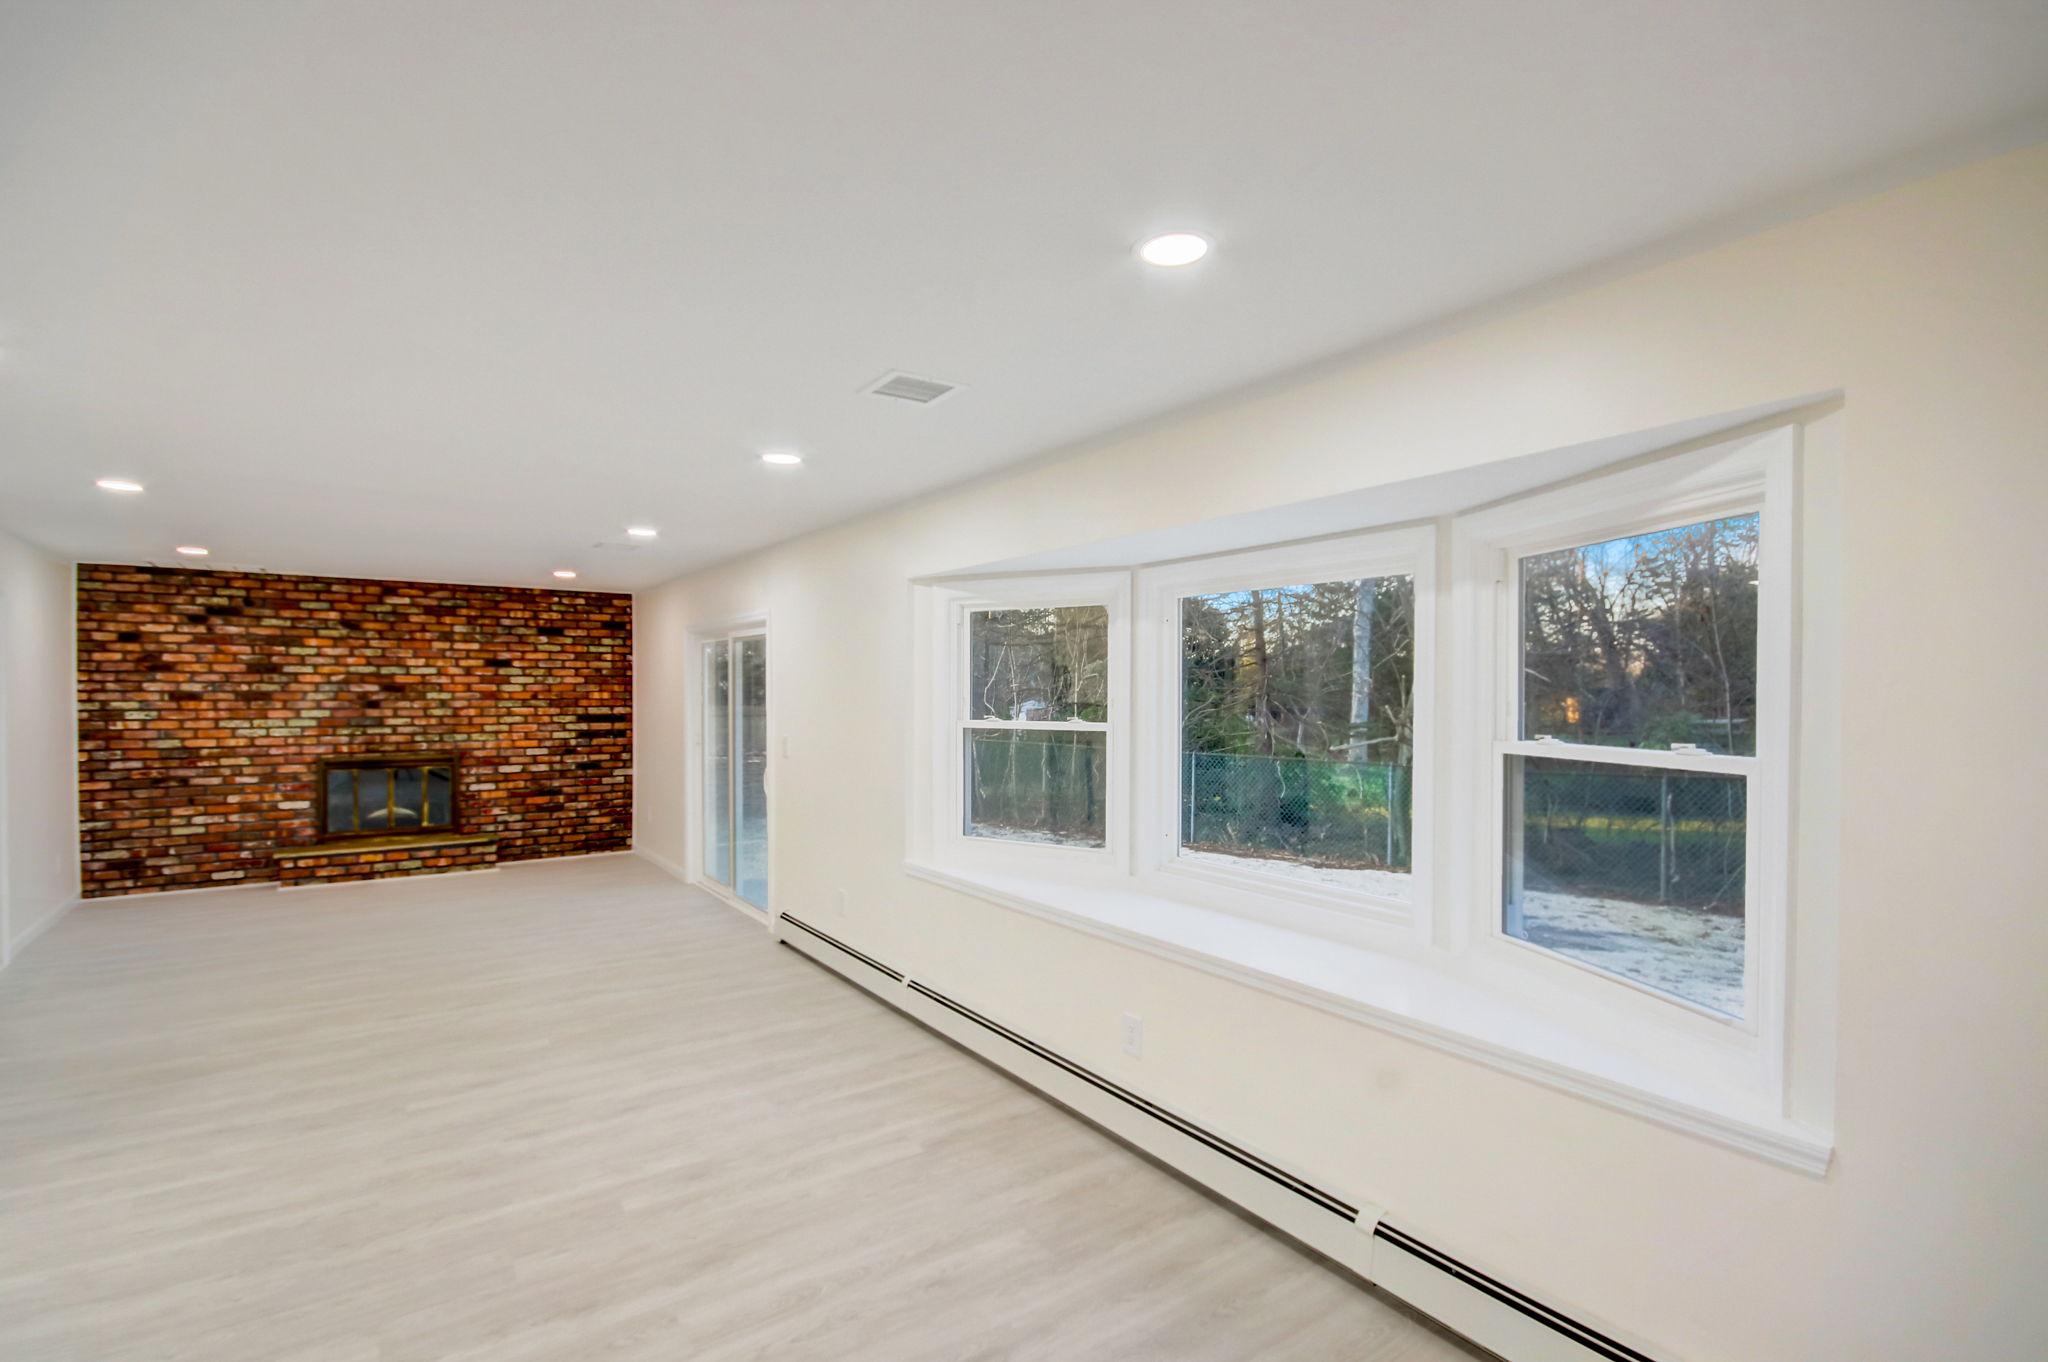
(1297, 731)
(1037, 736)
(1647, 642)
(1644, 641)
(1050, 664)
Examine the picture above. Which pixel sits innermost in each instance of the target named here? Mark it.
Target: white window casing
(1751, 474)
(939, 798)
(1350, 914)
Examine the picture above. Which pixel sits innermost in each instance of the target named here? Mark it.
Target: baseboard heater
(894, 976)
(1480, 1306)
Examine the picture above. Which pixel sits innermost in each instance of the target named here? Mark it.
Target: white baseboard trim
(662, 862)
(1476, 1303)
(16, 945)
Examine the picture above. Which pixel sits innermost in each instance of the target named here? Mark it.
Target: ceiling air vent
(910, 388)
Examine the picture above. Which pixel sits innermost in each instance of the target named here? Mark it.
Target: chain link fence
(1340, 814)
(1641, 836)
(1034, 786)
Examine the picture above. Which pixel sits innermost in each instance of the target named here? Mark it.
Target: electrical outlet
(1134, 1034)
(839, 901)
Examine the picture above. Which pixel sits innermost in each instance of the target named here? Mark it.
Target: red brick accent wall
(206, 700)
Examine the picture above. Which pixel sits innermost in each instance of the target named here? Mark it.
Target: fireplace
(390, 796)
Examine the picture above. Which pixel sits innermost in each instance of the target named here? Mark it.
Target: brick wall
(206, 700)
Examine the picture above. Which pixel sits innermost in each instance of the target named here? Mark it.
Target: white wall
(38, 744)
(1928, 308)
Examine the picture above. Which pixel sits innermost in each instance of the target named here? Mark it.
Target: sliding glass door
(718, 761)
(735, 756)
(750, 780)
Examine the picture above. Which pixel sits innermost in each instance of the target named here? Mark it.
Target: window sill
(1406, 998)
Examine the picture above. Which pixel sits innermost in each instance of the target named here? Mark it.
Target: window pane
(440, 811)
(750, 846)
(1645, 641)
(1297, 731)
(373, 798)
(717, 757)
(341, 801)
(1639, 872)
(408, 800)
(1047, 665)
(1036, 785)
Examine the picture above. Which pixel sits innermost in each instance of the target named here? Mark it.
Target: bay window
(1588, 857)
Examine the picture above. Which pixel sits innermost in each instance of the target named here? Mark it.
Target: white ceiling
(455, 291)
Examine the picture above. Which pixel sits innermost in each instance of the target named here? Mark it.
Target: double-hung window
(1030, 683)
(1035, 739)
(1627, 777)
(1638, 683)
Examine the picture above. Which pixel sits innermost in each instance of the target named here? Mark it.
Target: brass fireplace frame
(421, 761)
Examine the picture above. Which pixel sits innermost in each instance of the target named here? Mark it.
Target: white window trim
(1751, 473)
(939, 807)
(1327, 911)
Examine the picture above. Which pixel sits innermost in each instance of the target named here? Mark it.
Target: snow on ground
(1692, 953)
(1036, 836)
(1391, 884)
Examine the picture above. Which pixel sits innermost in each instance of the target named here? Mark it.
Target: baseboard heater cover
(1584, 1340)
(1588, 1338)
(837, 944)
(1272, 1172)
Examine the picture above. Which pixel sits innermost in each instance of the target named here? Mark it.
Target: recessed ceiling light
(782, 458)
(564, 573)
(118, 485)
(1175, 248)
(642, 531)
(192, 550)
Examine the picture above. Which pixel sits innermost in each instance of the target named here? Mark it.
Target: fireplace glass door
(381, 796)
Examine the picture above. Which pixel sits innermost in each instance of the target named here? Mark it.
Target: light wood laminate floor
(572, 1110)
